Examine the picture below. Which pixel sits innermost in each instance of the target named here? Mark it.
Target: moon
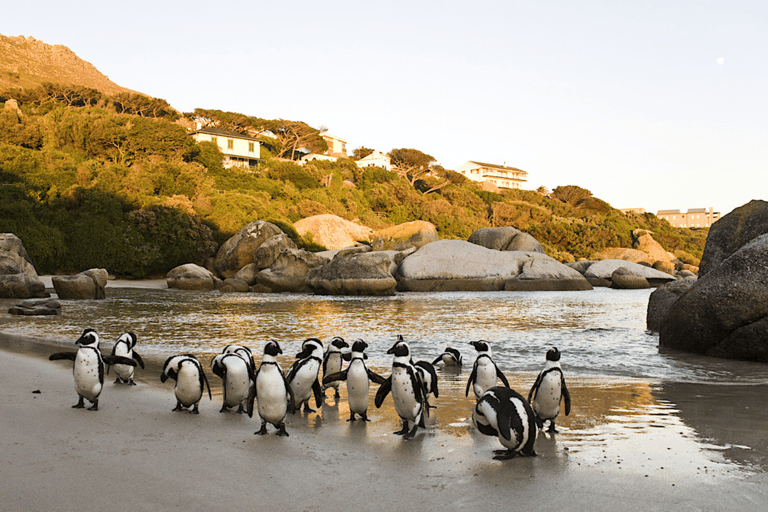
(720, 61)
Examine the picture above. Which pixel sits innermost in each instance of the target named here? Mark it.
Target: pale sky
(655, 105)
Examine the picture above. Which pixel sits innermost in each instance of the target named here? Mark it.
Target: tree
(411, 164)
(571, 194)
(361, 153)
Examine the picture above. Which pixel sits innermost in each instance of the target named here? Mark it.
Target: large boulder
(90, 284)
(505, 239)
(625, 279)
(267, 252)
(725, 313)
(547, 274)
(45, 307)
(661, 300)
(289, 271)
(599, 273)
(731, 232)
(644, 242)
(18, 277)
(624, 254)
(192, 277)
(239, 250)
(456, 265)
(404, 236)
(332, 231)
(356, 273)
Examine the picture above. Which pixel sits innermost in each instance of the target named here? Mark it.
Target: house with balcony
(500, 175)
(239, 150)
(376, 159)
(693, 218)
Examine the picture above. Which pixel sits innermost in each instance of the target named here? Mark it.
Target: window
(250, 147)
(230, 144)
(213, 139)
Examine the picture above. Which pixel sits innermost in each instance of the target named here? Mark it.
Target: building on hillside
(239, 150)
(376, 159)
(499, 175)
(638, 211)
(336, 147)
(693, 218)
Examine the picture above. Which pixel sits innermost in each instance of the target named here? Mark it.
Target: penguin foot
(194, 410)
(336, 394)
(131, 383)
(118, 381)
(365, 416)
(262, 431)
(281, 431)
(307, 409)
(552, 429)
(351, 417)
(412, 433)
(95, 406)
(178, 407)
(80, 404)
(504, 454)
(404, 430)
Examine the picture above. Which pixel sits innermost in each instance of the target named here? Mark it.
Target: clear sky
(655, 104)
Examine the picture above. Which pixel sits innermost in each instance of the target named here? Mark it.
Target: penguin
(407, 390)
(190, 378)
(450, 358)
(237, 379)
(243, 352)
(272, 390)
(548, 391)
(88, 368)
(429, 380)
(485, 373)
(358, 378)
(124, 347)
(302, 375)
(332, 362)
(504, 413)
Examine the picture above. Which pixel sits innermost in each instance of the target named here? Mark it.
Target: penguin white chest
(485, 378)
(303, 380)
(188, 389)
(546, 403)
(87, 370)
(272, 395)
(404, 395)
(124, 371)
(357, 387)
(237, 384)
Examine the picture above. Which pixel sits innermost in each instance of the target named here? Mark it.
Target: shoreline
(135, 451)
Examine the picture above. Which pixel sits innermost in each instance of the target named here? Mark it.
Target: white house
(376, 159)
(499, 175)
(238, 149)
(336, 147)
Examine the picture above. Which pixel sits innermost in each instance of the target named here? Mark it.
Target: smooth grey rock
(248, 273)
(191, 277)
(233, 284)
(661, 299)
(600, 272)
(266, 254)
(77, 287)
(404, 236)
(539, 274)
(46, 307)
(289, 271)
(731, 232)
(355, 273)
(625, 279)
(505, 239)
(239, 250)
(21, 286)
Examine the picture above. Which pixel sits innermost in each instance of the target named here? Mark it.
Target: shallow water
(635, 408)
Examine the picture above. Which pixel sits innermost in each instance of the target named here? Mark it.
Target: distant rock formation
(333, 232)
(731, 232)
(18, 277)
(90, 284)
(505, 239)
(404, 236)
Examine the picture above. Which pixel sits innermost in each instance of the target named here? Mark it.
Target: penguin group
(499, 410)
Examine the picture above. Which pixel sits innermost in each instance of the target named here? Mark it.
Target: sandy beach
(134, 453)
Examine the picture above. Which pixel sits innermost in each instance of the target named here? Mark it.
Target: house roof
(224, 133)
(493, 166)
(667, 212)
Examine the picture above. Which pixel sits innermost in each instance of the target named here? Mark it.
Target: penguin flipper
(438, 359)
(205, 379)
(472, 378)
(383, 391)
(567, 397)
(347, 356)
(251, 399)
(534, 388)
(219, 369)
(342, 375)
(375, 377)
(138, 359)
(62, 355)
(318, 391)
(503, 419)
(502, 377)
(112, 360)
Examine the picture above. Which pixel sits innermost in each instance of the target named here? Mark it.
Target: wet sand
(626, 446)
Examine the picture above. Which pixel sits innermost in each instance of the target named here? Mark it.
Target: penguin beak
(163, 377)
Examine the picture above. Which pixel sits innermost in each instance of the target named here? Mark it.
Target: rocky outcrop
(356, 273)
(643, 241)
(192, 277)
(18, 277)
(505, 239)
(624, 279)
(624, 254)
(404, 236)
(547, 274)
(289, 271)
(90, 284)
(725, 313)
(455, 265)
(233, 284)
(661, 299)
(732, 232)
(44, 307)
(239, 250)
(332, 231)
(266, 254)
(599, 272)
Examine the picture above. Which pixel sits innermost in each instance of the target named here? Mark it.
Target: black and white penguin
(485, 373)
(357, 375)
(302, 376)
(428, 377)
(243, 352)
(407, 390)
(88, 368)
(450, 358)
(548, 391)
(190, 379)
(237, 379)
(272, 391)
(332, 363)
(504, 413)
(124, 347)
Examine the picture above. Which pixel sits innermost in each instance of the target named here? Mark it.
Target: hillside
(26, 62)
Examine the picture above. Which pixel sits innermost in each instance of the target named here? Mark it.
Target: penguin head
(480, 345)
(455, 353)
(400, 348)
(272, 348)
(129, 339)
(89, 338)
(338, 343)
(359, 346)
(553, 354)
(309, 346)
